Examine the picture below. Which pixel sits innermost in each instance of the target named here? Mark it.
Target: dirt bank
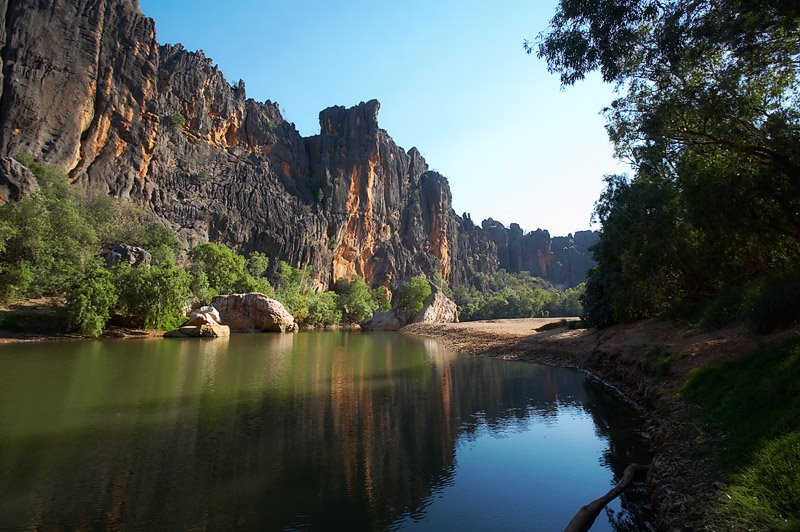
(647, 362)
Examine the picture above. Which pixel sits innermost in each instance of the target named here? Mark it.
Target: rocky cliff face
(86, 86)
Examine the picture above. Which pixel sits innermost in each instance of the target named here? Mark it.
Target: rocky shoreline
(646, 363)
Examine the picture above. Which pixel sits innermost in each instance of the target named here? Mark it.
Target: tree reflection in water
(314, 430)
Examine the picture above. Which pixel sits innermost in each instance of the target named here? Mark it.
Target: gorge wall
(86, 86)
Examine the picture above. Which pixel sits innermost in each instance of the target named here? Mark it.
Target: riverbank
(649, 363)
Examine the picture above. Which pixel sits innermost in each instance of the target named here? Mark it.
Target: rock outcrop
(205, 330)
(16, 181)
(125, 254)
(253, 312)
(203, 323)
(86, 86)
(572, 258)
(204, 314)
(437, 308)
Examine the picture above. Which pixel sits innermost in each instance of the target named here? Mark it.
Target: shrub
(294, 289)
(383, 299)
(152, 296)
(176, 122)
(200, 288)
(356, 301)
(257, 264)
(412, 294)
(224, 269)
(47, 243)
(90, 300)
(774, 303)
(322, 309)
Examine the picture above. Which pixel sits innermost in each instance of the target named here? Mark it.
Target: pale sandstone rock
(253, 312)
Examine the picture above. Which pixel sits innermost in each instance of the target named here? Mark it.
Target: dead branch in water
(584, 519)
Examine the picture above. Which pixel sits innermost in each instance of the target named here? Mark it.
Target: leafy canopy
(708, 117)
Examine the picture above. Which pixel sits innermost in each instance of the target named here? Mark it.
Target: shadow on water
(307, 431)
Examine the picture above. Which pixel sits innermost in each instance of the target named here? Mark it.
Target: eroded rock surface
(16, 181)
(125, 254)
(86, 86)
(438, 308)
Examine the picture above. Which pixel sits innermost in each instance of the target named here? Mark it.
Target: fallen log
(584, 519)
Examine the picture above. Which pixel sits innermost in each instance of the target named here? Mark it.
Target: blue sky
(452, 79)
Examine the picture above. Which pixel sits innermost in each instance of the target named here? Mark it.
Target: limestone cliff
(86, 86)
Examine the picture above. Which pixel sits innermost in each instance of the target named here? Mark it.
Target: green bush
(152, 296)
(515, 295)
(257, 264)
(356, 301)
(200, 288)
(383, 299)
(47, 243)
(294, 289)
(176, 122)
(225, 270)
(412, 294)
(774, 303)
(323, 310)
(90, 299)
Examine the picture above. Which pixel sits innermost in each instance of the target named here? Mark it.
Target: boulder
(438, 308)
(16, 181)
(383, 321)
(123, 253)
(205, 330)
(206, 314)
(253, 312)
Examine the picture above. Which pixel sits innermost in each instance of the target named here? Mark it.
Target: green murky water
(308, 431)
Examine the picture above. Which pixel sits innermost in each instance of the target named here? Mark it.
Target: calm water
(305, 431)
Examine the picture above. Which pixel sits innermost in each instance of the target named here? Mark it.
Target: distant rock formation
(86, 86)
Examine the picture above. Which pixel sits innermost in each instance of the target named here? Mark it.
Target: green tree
(412, 294)
(294, 288)
(90, 299)
(152, 296)
(224, 269)
(257, 264)
(46, 241)
(356, 301)
(708, 117)
(323, 309)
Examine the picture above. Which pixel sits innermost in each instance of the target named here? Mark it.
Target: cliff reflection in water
(312, 430)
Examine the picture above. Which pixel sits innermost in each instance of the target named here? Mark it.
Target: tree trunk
(584, 519)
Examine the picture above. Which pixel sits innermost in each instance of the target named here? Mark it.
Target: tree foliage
(152, 296)
(708, 117)
(356, 300)
(90, 300)
(412, 293)
(515, 295)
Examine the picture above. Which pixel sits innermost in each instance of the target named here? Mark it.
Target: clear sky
(452, 78)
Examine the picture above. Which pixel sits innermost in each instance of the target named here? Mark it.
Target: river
(317, 430)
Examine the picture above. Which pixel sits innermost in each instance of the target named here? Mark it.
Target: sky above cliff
(452, 78)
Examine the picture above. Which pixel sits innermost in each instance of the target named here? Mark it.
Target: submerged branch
(584, 519)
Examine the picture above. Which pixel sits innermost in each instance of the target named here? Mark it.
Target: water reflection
(314, 430)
